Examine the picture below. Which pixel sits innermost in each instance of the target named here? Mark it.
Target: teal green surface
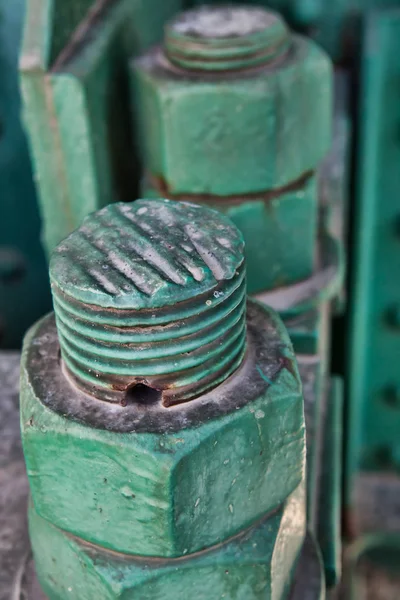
(334, 24)
(280, 237)
(280, 234)
(169, 494)
(151, 292)
(330, 495)
(147, 255)
(24, 287)
(374, 375)
(305, 332)
(76, 103)
(244, 133)
(213, 40)
(259, 565)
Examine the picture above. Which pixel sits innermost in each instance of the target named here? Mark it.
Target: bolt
(150, 295)
(150, 310)
(226, 38)
(235, 112)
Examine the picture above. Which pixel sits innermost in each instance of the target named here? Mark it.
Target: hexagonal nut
(258, 565)
(191, 477)
(234, 134)
(280, 234)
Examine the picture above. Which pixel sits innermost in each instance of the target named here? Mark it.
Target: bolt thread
(166, 314)
(224, 38)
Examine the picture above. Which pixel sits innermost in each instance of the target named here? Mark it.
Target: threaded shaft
(220, 38)
(150, 293)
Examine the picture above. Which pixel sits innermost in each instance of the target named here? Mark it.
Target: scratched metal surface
(17, 578)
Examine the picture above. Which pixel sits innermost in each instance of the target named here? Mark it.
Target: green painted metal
(133, 477)
(330, 493)
(24, 289)
(334, 24)
(276, 209)
(243, 141)
(207, 39)
(297, 300)
(374, 420)
(305, 331)
(151, 292)
(74, 79)
(230, 140)
(287, 267)
(268, 228)
(180, 492)
(256, 566)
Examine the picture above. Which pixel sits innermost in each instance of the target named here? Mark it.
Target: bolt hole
(142, 394)
(12, 265)
(391, 397)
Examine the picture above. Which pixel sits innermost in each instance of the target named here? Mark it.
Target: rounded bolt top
(147, 254)
(223, 22)
(215, 38)
(150, 293)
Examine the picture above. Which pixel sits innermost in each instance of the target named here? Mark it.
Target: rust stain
(160, 184)
(287, 364)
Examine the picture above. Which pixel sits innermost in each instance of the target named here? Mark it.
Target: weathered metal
(259, 564)
(335, 25)
(189, 477)
(236, 121)
(17, 568)
(150, 294)
(226, 38)
(373, 481)
(75, 84)
(245, 139)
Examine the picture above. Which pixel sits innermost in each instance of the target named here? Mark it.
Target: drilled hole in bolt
(391, 396)
(141, 394)
(12, 265)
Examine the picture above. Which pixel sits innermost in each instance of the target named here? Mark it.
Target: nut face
(257, 565)
(280, 234)
(176, 492)
(236, 133)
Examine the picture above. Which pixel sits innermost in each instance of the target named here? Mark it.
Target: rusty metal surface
(17, 577)
(265, 348)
